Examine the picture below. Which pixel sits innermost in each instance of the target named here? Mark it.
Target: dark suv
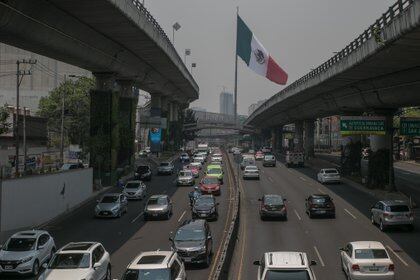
(205, 207)
(143, 173)
(193, 242)
(320, 205)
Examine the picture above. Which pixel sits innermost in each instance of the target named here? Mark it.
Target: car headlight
(97, 208)
(115, 208)
(202, 250)
(25, 260)
(136, 174)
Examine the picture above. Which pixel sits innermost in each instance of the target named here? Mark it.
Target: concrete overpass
(232, 127)
(121, 43)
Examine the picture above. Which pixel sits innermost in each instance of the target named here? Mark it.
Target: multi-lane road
(126, 237)
(320, 238)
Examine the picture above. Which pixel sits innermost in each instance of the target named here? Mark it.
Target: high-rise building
(226, 103)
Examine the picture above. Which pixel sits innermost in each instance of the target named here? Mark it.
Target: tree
(76, 110)
(188, 117)
(4, 120)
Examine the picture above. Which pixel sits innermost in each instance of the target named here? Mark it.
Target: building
(46, 74)
(255, 106)
(327, 133)
(226, 103)
(201, 109)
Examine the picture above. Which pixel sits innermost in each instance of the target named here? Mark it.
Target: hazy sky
(299, 34)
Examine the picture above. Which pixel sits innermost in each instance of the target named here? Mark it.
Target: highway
(319, 238)
(126, 237)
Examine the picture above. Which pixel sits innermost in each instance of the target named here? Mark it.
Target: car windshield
(189, 234)
(185, 173)
(204, 200)
(287, 275)
(398, 208)
(164, 164)
(142, 169)
(210, 181)
(331, 171)
(157, 201)
(269, 157)
(251, 168)
(214, 171)
(20, 244)
(147, 274)
(70, 261)
(320, 200)
(109, 199)
(132, 185)
(370, 254)
(273, 200)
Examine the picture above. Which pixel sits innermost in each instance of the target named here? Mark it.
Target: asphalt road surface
(125, 237)
(320, 238)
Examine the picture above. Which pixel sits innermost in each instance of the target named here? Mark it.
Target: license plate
(187, 259)
(321, 212)
(202, 215)
(373, 268)
(8, 267)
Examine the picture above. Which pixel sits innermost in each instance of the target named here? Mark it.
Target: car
(79, 260)
(215, 171)
(147, 150)
(251, 151)
(273, 206)
(259, 155)
(165, 168)
(184, 157)
(194, 194)
(162, 265)
(218, 163)
(269, 160)
(194, 169)
(158, 205)
(193, 242)
(71, 166)
(247, 161)
(217, 157)
(200, 158)
(25, 252)
(366, 260)
(251, 172)
(143, 154)
(205, 207)
(319, 205)
(295, 159)
(111, 205)
(143, 173)
(285, 265)
(392, 213)
(210, 185)
(185, 178)
(328, 175)
(135, 190)
(266, 150)
(196, 164)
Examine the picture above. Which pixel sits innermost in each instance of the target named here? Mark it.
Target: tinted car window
(69, 261)
(330, 171)
(210, 180)
(214, 171)
(20, 244)
(109, 199)
(142, 169)
(398, 208)
(175, 269)
(287, 275)
(370, 254)
(157, 201)
(320, 200)
(190, 234)
(132, 185)
(204, 200)
(273, 200)
(164, 164)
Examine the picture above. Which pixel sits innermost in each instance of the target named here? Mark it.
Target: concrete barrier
(31, 201)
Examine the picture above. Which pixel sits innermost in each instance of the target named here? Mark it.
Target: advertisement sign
(356, 125)
(155, 135)
(410, 126)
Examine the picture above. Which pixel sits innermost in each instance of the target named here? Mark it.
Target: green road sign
(354, 125)
(410, 126)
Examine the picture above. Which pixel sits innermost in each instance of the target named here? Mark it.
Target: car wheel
(119, 214)
(35, 268)
(382, 226)
(108, 273)
(168, 216)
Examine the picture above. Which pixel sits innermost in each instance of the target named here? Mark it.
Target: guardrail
(223, 266)
(374, 30)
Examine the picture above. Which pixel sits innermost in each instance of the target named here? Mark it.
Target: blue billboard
(155, 136)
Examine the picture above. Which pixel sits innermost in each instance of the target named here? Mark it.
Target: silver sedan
(111, 205)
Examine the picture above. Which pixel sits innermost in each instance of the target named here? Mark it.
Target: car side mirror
(259, 199)
(96, 265)
(313, 262)
(209, 237)
(342, 249)
(257, 263)
(284, 199)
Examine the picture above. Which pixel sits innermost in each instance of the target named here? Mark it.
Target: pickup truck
(294, 159)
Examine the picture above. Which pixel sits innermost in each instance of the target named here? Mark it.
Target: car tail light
(355, 267)
(391, 267)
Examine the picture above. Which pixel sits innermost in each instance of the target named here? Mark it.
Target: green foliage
(77, 109)
(411, 112)
(4, 124)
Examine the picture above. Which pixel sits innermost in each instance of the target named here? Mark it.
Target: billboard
(155, 136)
(354, 125)
(410, 126)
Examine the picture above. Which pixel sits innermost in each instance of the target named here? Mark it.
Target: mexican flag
(256, 56)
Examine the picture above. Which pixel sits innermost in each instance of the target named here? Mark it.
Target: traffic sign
(410, 126)
(354, 125)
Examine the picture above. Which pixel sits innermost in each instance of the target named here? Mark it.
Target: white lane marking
(290, 171)
(297, 214)
(398, 256)
(303, 179)
(321, 191)
(180, 218)
(262, 171)
(137, 217)
(319, 256)
(406, 172)
(270, 179)
(348, 212)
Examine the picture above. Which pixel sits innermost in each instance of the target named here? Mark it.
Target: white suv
(285, 265)
(79, 260)
(164, 265)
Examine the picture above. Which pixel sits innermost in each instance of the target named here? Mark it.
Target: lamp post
(187, 53)
(175, 27)
(193, 65)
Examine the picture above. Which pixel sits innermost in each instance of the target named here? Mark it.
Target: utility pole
(24, 140)
(62, 125)
(19, 77)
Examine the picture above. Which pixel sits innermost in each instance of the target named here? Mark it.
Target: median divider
(223, 265)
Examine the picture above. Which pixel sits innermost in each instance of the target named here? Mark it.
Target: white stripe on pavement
(319, 256)
(297, 214)
(348, 212)
(321, 191)
(137, 217)
(180, 218)
(270, 179)
(302, 178)
(398, 256)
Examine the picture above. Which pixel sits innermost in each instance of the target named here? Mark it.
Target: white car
(185, 178)
(135, 190)
(199, 158)
(162, 265)
(251, 172)
(25, 252)
(285, 265)
(79, 260)
(366, 260)
(196, 164)
(328, 175)
(217, 157)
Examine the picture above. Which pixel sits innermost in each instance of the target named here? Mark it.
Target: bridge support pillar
(276, 138)
(309, 138)
(298, 139)
(174, 126)
(155, 104)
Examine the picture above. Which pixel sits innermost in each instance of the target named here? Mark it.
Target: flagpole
(236, 70)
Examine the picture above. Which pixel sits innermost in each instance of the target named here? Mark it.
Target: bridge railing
(375, 30)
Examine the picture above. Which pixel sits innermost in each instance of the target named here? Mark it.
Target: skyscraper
(226, 103)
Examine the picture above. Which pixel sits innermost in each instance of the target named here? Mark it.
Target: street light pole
(62, 125)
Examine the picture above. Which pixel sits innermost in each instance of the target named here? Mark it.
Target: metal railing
(375, 30)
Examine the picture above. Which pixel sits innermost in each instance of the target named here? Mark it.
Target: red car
(259, 155)
(210, 185)
(194, 169)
